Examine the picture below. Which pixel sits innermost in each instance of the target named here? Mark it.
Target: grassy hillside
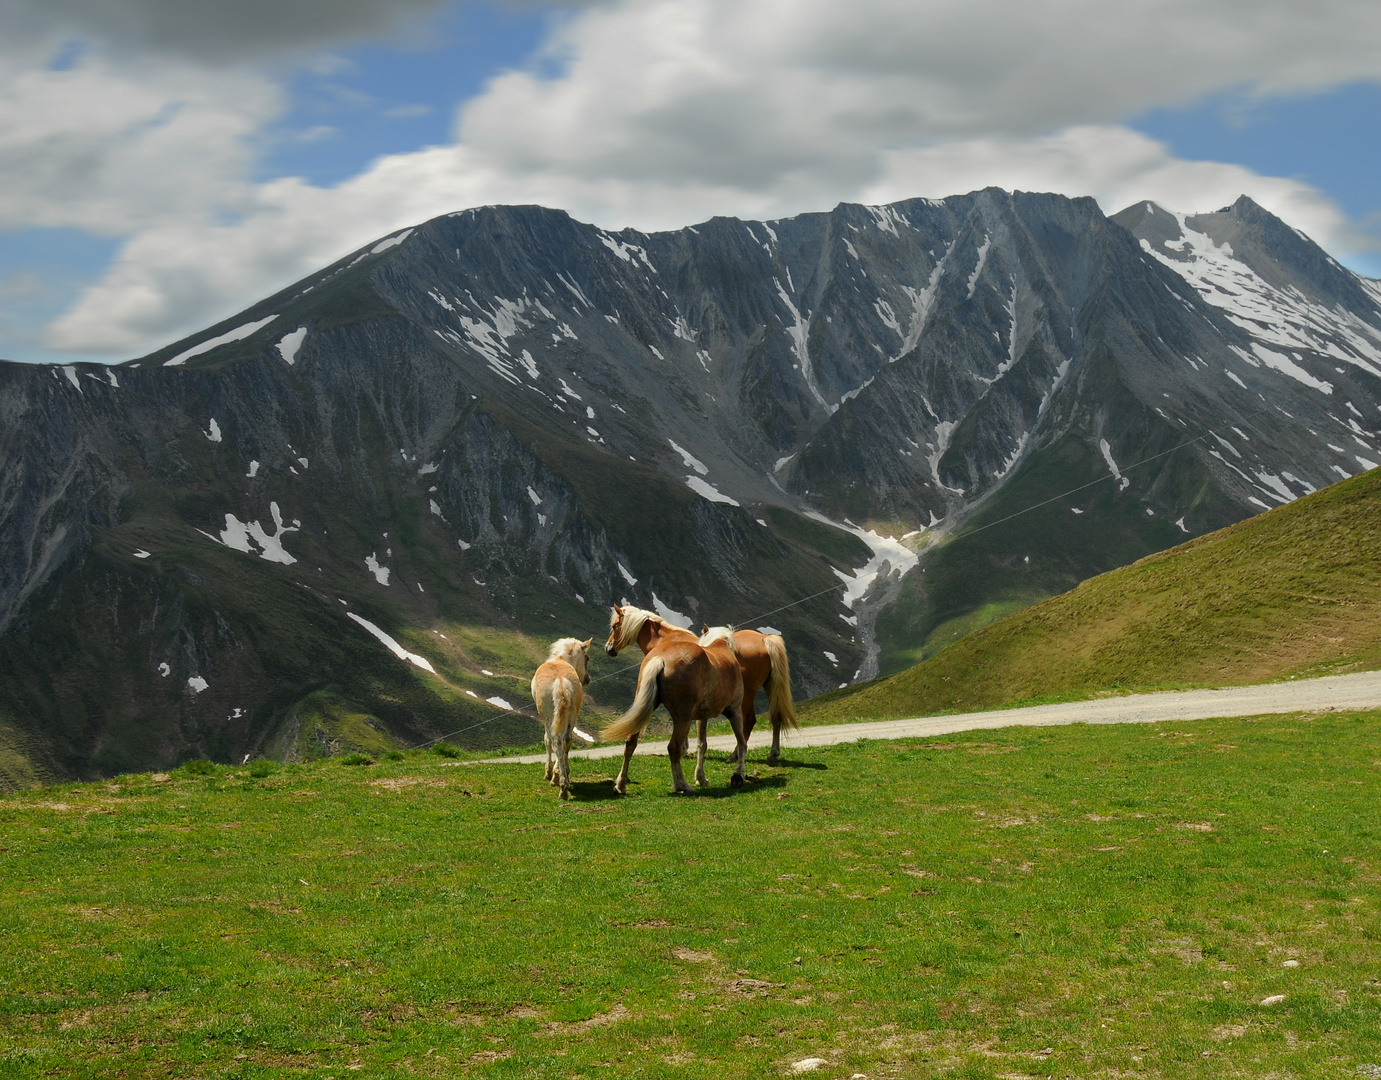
(1006, 560)
(1055, 902)
(1296, 591)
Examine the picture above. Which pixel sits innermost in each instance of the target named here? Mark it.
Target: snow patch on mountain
(392, 645)
(978, 268)
(707, 490)
(890, 556)
(238, 334)
(692, 462)
(392, 241)
(244, 535)
(1122, 482)
(379, 571)
(670, 614)
(290, 343)
(799, 332)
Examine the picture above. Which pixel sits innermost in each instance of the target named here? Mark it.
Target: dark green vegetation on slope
(1076, 901)
(1296, 591)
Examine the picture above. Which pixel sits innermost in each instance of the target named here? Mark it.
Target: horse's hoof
(565, 794)
(772, 759)
(736, 780)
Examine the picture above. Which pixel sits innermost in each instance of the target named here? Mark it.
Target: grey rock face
(508, 415)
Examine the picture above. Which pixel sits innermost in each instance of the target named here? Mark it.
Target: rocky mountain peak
(880, 424)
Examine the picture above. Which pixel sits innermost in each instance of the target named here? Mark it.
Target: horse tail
(565, 700)
(779, 704)
(644, 701)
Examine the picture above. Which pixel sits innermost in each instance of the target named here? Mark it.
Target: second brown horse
(694, 682)
(761, 658)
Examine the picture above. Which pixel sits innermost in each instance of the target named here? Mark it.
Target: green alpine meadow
(1190, 900)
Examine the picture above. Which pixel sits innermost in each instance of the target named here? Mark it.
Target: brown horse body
(693, 682)
(762, 660)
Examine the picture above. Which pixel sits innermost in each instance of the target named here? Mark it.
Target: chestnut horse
(763, 660)
(557, 693)
(694, 683)
(761, 657)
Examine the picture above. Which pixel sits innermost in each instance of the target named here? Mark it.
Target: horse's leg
(549, 776)
(680, 733)
(564, 762)
(700, 751)
(750, 717)
(775, 754)
(621, 784)
(735, 715)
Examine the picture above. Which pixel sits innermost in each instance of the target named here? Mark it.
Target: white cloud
(1115, 165)
(664, 112)
(111, 148)
(750, 91)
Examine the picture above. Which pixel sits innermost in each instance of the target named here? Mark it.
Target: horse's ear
(704, 628)
(587, 643)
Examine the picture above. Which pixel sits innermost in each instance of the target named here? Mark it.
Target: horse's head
(615, 642)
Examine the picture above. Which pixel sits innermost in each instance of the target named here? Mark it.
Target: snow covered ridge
(238, 334)
(1279, 319)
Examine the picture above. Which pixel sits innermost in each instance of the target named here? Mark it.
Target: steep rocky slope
(491, 425)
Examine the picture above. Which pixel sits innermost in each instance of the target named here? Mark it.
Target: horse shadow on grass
(722, 790)
(602, 790)
(594, 790)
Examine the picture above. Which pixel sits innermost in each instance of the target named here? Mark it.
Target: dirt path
(1337, 692)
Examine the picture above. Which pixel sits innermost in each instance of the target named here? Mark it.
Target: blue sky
(389, 98)
(1329, 140)
(161, 174)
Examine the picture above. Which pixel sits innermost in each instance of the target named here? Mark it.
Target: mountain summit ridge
(504, 411)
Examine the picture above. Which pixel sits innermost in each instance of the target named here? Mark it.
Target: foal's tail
(644, 701)
(565, 705)
(779, 703)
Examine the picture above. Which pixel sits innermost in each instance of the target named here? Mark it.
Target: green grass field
(1082, 901)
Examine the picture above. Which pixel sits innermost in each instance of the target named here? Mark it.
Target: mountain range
(353, 514)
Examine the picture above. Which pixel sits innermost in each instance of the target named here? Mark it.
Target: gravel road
(1337, 692)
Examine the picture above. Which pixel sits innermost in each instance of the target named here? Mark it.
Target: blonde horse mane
(718, 635)
(634, 619)
(571, 650)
